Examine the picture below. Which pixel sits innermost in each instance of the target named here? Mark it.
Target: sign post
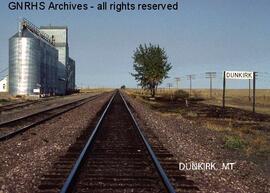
(224, 88)
(254, 91)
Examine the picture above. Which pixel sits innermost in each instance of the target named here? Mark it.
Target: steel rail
(25, 128)
(71, 178)
(157, 164)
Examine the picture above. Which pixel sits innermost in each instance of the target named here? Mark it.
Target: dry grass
(6, 98)
(95, 90)
(217, 127)
(4, 95)
(238, 98)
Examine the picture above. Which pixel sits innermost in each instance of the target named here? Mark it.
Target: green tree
(151, 66)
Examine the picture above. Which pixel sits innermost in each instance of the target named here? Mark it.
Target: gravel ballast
(191, 142)
(26, 157)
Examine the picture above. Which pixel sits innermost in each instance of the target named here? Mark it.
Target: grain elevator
(39, 62)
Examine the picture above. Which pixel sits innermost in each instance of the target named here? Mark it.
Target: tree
(151, 66)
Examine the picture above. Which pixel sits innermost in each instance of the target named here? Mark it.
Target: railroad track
(19, 125)
(16, 105)
(114, 156)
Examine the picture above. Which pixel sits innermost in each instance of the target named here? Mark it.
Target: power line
(4, 70)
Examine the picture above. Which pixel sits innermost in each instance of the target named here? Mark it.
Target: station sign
(240, 75)
(36, 90)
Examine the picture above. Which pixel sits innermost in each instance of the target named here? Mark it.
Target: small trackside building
(4, 84)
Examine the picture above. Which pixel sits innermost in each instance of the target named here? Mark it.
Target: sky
(201, 36)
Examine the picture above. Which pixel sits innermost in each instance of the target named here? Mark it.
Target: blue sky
(203, 35)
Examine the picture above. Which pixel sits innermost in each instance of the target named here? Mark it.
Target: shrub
(234, 142)
(3, 100)
(192, 114)
(180, 94)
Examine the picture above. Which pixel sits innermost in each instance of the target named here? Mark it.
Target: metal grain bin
(48, 68)
(24, 65)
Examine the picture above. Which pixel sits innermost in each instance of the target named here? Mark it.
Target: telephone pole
(190, 78)
(210, 75)
(177, 79)
(169, 85)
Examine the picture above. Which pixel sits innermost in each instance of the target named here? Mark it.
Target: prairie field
(95, 90)
(238, 98)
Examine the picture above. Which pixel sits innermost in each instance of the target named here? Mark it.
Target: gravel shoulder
(26, 157)
(190, 142)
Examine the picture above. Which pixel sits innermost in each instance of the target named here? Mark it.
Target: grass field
(238, 98)
(95, 90)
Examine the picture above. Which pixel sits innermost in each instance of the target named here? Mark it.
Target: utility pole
(170, 93)
(190, 78)
(210, 75)
(177, 79)
(169, 85)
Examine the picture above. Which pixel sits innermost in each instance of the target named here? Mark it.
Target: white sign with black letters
(240, 75)
(36, 90)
